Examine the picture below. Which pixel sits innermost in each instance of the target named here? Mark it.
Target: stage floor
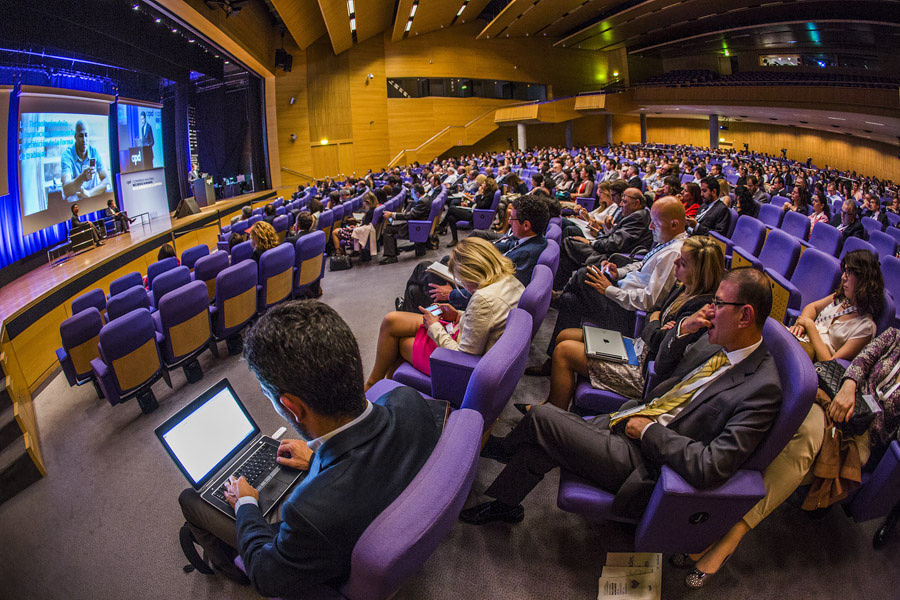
(30, 288)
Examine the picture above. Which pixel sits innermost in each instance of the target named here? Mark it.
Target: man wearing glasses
(850, 225)
(717, 399)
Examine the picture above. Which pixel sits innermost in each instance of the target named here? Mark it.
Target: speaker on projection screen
(186, 207)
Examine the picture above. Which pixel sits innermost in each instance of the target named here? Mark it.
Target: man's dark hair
(165, 251)
(246, 212)
(712, 183)
(534, 210)
(304, 220)
(618, 186)
(674, 183)
(753, 288)
(109, 202)
(701, 171)
(144, 114)
(270, 210)
(73, 207)
(752, 179)
(304, 348)
(380, 194)
(334, 197)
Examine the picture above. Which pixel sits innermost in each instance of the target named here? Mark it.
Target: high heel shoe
(696, 579)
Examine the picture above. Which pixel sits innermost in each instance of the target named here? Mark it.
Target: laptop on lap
(213, 438)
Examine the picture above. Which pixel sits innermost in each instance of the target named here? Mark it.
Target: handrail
(298, 173)
(438, 134)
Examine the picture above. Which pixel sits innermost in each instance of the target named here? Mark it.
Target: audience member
(713, 214)
(482, 201)
(848, 222)
(262, 238)
(307, 362)
(483, 272)
(821, 213)
(397, 226)
(872, 209)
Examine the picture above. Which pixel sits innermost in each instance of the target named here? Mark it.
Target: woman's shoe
(682, 561)
(696, 579)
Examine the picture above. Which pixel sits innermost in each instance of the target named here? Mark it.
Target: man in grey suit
(715, 404)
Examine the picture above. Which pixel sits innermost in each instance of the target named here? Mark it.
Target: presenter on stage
(147, 139)
(83, 173)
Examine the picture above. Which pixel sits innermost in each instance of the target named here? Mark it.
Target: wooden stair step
(17, 469)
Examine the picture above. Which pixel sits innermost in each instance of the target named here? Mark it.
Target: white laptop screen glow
(209, 434)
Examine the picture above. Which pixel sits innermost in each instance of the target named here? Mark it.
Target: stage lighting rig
(229, 7)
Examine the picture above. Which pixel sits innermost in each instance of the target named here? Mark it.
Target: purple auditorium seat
(535, 299)
(482, 217)
(94, 298)
(779, 253)
(796, 224)
(888, 314)
(893, 219)
(884, 244)
(337, 216)
(817, 274)
(276, 276)
(421, 231)
(129, 361)
(235, 300)
(771, 214)
(159, 268)
(241, 252)
(125, 282)
(127, 301)
(681, 518)
(550, 256)
(325, 222)
(79, 334)
(183, 320)
(870, 225)
(826, 238)
(240, 226)
(554, 233)
(732, 221)
(280, 210)
(255, 218)
(890, 269)
(749, 234)
(555, 221)
(779, 201)
(190, 256)
(398, 542)
(207, 267)
(169, 281)
(855, 243)
(257, 212)
(309, 261)
(280, 224)
(894, 232)
(451, 369)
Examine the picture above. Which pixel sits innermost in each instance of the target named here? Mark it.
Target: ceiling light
(461, 9)
(174, 30)
(324, 141)
(353, 24)
(227, 62)
(412, 11)
(837, 119)
(191, 41)
(350, 7)
(408, 25)
(157, 20)
(874, 123)
(135, 7)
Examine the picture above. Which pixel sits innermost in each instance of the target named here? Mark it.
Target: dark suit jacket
(630, 233)
(708, 441)
(881, 218)
(419, 211)
(717, 219)
(353, 477)
(854, 229)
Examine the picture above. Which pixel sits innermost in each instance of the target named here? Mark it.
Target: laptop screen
(206, 434)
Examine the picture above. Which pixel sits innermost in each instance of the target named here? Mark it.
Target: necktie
(678, 395)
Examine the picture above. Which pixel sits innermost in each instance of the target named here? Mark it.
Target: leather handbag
(831, 375)
(340, 263)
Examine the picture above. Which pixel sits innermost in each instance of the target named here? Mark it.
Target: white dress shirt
(642, 284)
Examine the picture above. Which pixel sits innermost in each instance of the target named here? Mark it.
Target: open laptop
(605, 344)
(213, 438)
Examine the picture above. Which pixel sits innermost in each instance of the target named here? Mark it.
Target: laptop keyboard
(255, 469)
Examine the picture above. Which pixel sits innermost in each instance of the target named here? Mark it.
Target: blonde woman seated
(698, 269)
(262, 238)
(489, 277)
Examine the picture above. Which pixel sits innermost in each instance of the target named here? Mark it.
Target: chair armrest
(450, 373)
(106, 380)
(721, 238)
(785, 297)
(881, 492)
(681, 518)
(745, 256)
(640, 320)
(68, 368)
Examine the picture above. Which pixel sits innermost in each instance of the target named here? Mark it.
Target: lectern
(204, 194)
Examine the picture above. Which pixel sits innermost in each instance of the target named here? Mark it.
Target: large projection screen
(139, 126)
(4, 121)
(64, 155)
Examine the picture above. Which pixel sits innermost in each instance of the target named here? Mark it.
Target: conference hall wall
(377, 128)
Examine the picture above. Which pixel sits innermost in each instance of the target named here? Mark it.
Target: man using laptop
(359, 456)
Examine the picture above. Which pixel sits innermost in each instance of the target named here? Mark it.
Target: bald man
(83, 173)
(609, 296)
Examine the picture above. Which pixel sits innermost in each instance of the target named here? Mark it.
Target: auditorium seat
(894, 232)
(125, 282)
(281, 226)
(554, 233)
(871, 225)
(890, 270)
(884, 244)
(817, 275)
(190, 256)
(168, 281)
(771, 214)
(183, 320)
(94, 298)
(309, 261)
(241, 252)
(254, 219)
(779, 253)
(129, 361)
(535, 300)
(681, 518)
(276, 271)
(325, 222)
(127, 301)
(79, 334)
(160, 267)
(207, 267)
(749, 234)
(855, 243)
(235, 301)
(826, 238)
(796, 224)
(550, 256)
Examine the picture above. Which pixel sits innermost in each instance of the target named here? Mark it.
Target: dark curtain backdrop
(222, 127)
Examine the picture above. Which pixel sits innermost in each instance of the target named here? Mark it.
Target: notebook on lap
(213, 438)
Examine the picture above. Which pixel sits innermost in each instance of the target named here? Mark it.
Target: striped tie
(678, 395)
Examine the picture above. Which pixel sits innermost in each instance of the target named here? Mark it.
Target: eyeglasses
(718, 303)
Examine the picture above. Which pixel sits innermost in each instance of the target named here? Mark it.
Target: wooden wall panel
(325, 160)
(589, 131)
(35, 348)
(626, 128)
(493, 142)
(346, 159)
(252, 29)
(368, 106)
(693, 132)
(328, 93)
(293, 119)
(546, 134)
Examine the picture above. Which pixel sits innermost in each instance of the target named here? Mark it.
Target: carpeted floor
(104, 522)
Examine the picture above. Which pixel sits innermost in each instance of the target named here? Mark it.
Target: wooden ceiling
(649, 27)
